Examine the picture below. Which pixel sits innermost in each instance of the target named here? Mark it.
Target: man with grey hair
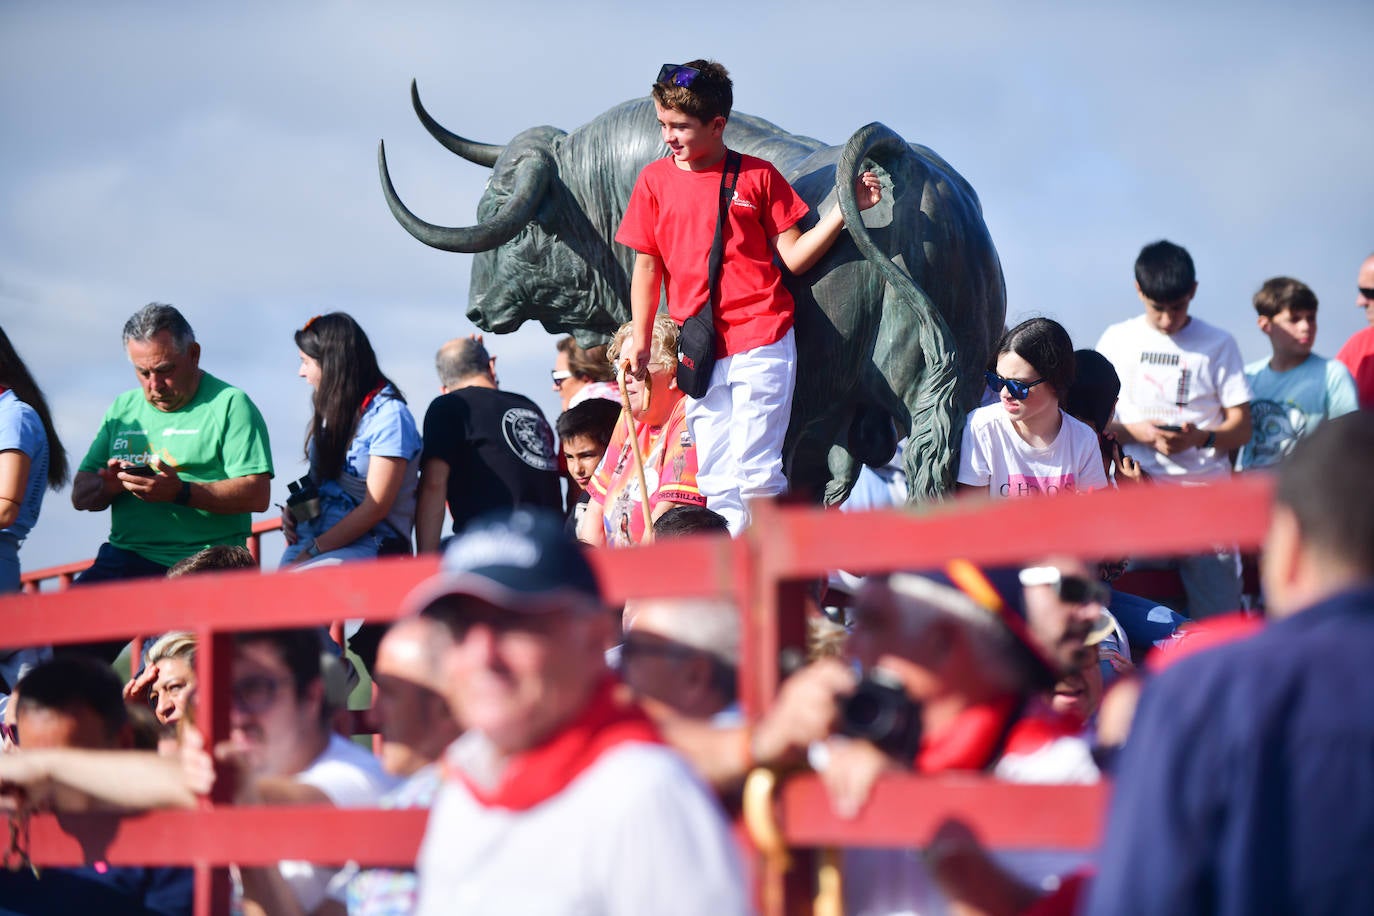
(463, 358)
(683, 653)
(485, 449)
(181, 462)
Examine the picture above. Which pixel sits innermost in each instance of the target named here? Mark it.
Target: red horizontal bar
(244, 836)
(248, 599)
(1140, 521)
(906, 811)
(903, 811)
(787, 542)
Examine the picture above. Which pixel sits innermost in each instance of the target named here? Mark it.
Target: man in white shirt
(1184, 405)
(560, 797)
(280, 741)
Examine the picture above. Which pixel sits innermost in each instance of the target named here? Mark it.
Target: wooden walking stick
(634, 447)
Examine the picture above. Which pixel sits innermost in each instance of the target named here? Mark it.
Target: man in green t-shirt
(181, 462)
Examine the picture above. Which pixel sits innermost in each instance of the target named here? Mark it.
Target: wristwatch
(1211, 440)
(313, 550)
(183, 497)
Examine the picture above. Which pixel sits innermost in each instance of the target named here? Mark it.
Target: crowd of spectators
(602, 747)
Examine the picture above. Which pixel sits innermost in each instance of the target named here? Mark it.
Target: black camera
(880, 711)
(303, 500)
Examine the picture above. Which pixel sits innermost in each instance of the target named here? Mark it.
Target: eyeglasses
(1071, 589)
(256, 692)
(632, 647)
(559, 376)
(10, 733)
(677, 75)
(1366, 292)
(1018, 390)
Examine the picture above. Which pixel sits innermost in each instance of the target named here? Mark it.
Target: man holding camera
(181, 462)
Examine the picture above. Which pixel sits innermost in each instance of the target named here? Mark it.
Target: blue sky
(222, 158)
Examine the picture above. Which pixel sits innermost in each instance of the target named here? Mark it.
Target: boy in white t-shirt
(1184, 403)
(1294, 389)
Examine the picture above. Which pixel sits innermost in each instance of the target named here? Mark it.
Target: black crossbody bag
(696, 342)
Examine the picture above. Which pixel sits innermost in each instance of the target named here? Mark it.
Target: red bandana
(968, 742)
(537, 775)
(362, 408)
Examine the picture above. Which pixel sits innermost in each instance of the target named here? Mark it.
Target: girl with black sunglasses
(1026, 445)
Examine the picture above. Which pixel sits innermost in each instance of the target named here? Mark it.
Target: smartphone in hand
(138, 470)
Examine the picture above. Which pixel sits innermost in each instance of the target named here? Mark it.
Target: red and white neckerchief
(970, 741)
(609, 721)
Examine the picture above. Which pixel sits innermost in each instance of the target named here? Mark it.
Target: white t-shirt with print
(1190, 376)
(995, 456)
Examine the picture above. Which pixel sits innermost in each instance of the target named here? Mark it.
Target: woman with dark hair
(32, 459)
(363, 447)
(1027, 445)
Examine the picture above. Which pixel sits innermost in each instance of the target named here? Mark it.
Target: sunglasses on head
(559, 376)
(1018, 390)
(677, 75)
(1071, 589)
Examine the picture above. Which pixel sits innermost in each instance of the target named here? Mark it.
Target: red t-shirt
(672, 214)
(670, 470)
(1358, 356)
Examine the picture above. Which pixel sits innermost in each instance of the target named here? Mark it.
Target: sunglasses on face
(1366, 292)
(1070, 588)
(1018, 390)
(256, 692)
(559, 376)
(677, 75)
(632, 648)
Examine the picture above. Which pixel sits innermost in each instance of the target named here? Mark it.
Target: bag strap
(729, 177)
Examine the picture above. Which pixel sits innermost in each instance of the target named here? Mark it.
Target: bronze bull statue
(894, 325)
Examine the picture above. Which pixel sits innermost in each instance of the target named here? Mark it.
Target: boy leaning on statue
(739, 423)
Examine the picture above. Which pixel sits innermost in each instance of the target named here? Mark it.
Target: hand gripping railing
(767, 571)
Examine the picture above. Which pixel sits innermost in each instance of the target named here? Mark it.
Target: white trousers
(738, 428)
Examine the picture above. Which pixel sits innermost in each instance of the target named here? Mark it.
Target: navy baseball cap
(522, 560)
(986, 597)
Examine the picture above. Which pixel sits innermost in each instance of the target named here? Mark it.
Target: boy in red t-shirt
(739, 424)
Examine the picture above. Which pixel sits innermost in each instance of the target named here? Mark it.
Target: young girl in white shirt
(1026, 445)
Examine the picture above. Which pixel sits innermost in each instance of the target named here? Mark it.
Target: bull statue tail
(936, 415)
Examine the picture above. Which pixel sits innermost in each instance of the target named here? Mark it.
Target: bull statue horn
(477, 153)
(529, 177)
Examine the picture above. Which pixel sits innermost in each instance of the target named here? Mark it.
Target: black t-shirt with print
(499, 450)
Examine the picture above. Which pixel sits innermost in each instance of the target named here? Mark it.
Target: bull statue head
(542, 249)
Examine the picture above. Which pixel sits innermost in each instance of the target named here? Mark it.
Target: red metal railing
(32, 582)
(767, 571)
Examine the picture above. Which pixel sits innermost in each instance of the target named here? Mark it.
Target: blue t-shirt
(22, 430)
(385, 430)
(108, 891)
(1287, 406)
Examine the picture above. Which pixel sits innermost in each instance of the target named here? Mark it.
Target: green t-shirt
(217, 436)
